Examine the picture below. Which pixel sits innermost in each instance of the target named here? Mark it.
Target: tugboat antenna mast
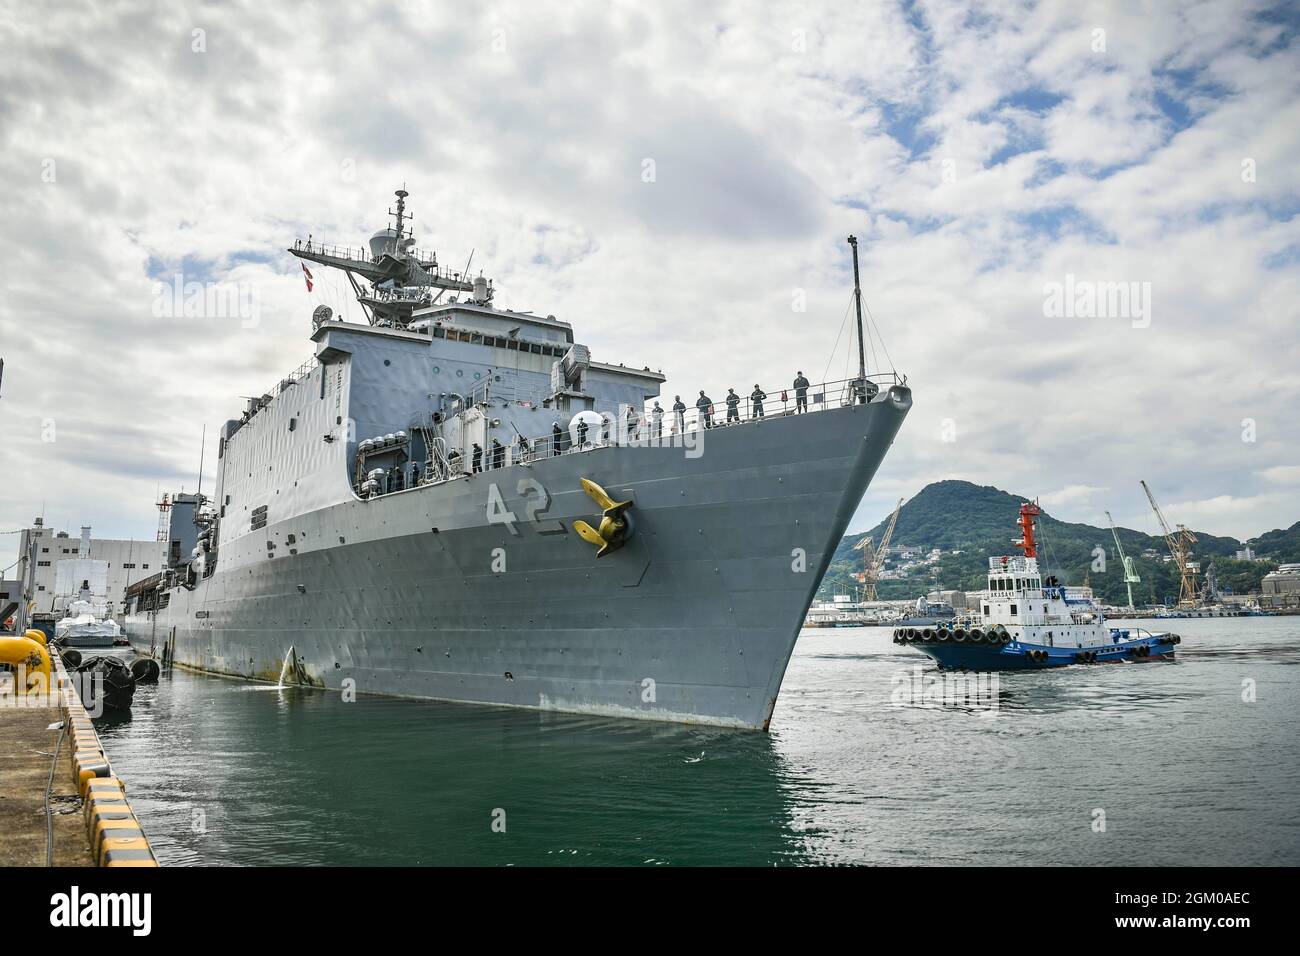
(857, 302)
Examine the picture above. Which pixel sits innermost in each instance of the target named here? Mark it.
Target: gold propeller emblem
(613, 529)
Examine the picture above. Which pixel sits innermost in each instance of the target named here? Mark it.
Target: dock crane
(1130, 573)
(873, 560)
(1180, 547)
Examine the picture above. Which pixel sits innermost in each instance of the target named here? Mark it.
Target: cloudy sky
(677, 180)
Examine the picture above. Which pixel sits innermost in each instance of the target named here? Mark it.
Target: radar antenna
(400, 214)
(401, 277)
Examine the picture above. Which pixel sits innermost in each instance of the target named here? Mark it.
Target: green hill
(980, 522)
(1283, 546)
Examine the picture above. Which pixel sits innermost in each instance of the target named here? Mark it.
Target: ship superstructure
(460, 502)
(1029, 621)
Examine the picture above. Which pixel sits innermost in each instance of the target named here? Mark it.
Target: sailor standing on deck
(557, 434)
(705, 405)
(657, 421)
(756, 401)
(633, 423)
(679, 414)
(800, 393)
(733, 406)
(477, 460)
(498, 454)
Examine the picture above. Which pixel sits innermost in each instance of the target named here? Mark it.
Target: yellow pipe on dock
(29, 658)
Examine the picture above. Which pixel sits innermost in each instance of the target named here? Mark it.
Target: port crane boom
(1130, 573)
(1180, 548)
(873, 559)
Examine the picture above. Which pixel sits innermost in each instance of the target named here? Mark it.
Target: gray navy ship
(458, 502)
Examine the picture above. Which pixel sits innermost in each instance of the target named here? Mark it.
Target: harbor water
(869, 761)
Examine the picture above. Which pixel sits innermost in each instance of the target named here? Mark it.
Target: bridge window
(1013, 609)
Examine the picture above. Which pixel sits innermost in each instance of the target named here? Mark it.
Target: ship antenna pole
(203, 446)
(857, 302)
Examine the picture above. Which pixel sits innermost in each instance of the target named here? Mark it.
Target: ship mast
(857, 302)
(1028, 512)
(400, 215)
(401, 278)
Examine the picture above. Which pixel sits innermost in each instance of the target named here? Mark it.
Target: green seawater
(1182, 766)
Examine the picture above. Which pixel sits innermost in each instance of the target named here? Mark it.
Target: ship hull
(478, 590)
(1018, 655)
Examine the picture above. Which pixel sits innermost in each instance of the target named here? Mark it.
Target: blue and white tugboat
(1027, 622)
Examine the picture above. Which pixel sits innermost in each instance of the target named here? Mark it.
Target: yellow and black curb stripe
(116, 837)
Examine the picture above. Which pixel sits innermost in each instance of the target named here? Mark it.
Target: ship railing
(1134, 632)
(407, 294)
(333, 251)
(618, 430)
(297, 375)
(775, 403)
(293, 378)
(427, 260)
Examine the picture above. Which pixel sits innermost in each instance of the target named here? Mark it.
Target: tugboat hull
(1018, 655)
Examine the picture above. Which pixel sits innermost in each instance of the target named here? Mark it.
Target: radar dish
(323, 313)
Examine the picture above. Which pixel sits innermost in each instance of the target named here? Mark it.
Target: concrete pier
(90, 820)
(26, 752)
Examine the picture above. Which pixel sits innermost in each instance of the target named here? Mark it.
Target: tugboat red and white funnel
(1028, 622)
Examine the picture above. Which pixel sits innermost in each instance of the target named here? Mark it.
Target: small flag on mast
(306, 275)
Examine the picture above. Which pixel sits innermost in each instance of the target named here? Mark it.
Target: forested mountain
(980, 522)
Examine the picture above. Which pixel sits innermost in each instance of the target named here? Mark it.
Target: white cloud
(776, 132)
(1070, 496)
